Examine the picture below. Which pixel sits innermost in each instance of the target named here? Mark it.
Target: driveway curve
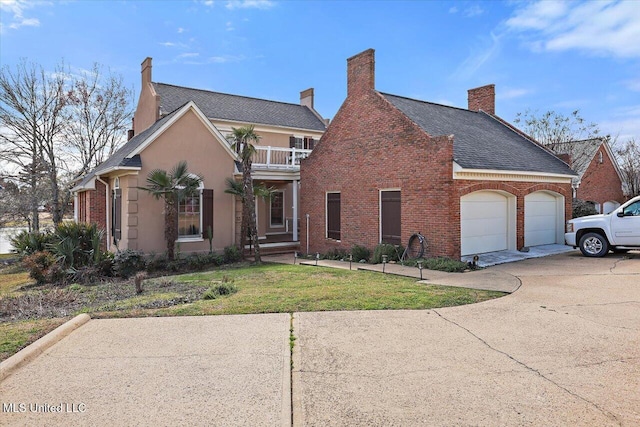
(562, 350)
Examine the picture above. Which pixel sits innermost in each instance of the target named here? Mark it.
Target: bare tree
(100, 109)
(32, 114)
(552, 128)
(628, 157)
(59, 125)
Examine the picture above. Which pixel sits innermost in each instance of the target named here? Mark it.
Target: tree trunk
(251, 208)
(170, 225)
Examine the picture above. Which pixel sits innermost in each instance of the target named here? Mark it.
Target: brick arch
(547, 187)
(489, 185)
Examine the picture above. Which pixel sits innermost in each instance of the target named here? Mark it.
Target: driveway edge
(33, 350)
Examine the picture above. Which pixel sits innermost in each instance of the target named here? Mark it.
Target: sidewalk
(488, 280)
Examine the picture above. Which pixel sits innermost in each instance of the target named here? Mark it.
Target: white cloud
(229, 26)
(511, 93)
(609, 28)
(189, 55)
(472, 11)
(181, 30)
(478, 57)
(624, 123)
(633, 85)
(453, 9)
(15, 10)
(225, 58)
(249, 4)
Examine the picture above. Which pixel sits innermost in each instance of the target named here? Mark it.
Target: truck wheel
(594, 245)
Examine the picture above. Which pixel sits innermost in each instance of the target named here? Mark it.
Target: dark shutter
(390, 212)
(207, 212)
(292, 141)
(312, 143)
(333, 216)
(116, 218)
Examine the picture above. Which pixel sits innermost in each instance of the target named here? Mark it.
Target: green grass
(286, 289)
(17, 335)
(269, 288)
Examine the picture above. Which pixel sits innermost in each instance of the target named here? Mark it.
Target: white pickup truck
(618, 231)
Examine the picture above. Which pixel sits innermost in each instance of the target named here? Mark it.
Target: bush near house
(360, 253)
(583, 208)
(392, 252)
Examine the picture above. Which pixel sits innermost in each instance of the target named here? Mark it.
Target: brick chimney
(483, 98)
(146, 72)
(361, 72)
(306, 98)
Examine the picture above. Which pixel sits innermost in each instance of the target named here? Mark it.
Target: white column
(76, 211)
(295, 210)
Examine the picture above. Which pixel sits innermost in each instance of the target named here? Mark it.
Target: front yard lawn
(28, 311)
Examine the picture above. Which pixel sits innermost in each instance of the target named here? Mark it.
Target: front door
(390, 217)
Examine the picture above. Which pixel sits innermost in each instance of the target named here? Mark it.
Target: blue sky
(541, 55)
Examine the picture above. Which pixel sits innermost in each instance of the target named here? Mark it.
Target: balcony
(278, 158)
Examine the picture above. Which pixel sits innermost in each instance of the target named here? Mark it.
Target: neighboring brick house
(390, 166)
(174, 123)
(599, 179)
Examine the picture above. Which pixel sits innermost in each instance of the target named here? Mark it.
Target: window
(390, 213)
(116, 212)
(306, 143)
(632, 210)
(190, 216)
(277, 209)
(333, 216)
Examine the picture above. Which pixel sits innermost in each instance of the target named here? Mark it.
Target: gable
(222, 106)
(480, 141)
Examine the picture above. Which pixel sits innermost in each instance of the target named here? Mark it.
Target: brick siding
(600, 182)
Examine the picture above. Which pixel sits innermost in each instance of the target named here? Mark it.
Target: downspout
(106, 210)
(75, 206)
(307, 234)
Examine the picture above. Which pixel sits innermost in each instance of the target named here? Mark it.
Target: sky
(541, 55)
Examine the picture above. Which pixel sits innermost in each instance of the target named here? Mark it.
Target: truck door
(626, 228)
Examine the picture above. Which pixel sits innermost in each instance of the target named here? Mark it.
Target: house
(599, 180)
(390, 166)
(175, 123)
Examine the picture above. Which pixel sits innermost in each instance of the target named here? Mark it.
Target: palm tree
(172, 187)
(242, 140)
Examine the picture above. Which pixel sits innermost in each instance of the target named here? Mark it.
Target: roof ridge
(428, 102)
(230, 94)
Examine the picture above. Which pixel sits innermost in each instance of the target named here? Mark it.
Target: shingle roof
(121, 156)
(217, 105)
(582, 152)
(480, 140)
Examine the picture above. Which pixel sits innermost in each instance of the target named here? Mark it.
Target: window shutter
(207, 212)
(292, 141)
(333, 216)
(312, 143)
(117, 215)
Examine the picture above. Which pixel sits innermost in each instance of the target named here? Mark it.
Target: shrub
(232, 254)
(335, 253)
(155, 263)
(26, 243)
(78, 244)
(226, 287)
(42, 267)
(360, 253)
(440, 264)
(583, 208)
(128, 262)
(391, 251)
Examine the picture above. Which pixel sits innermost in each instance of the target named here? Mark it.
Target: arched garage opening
(543, 218)
(487, 222)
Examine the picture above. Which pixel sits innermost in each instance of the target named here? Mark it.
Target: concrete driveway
(564, 349)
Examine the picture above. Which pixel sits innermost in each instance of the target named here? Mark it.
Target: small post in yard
(317, 258)
(420, 268)
(350, 260)
(295, 257)
(385, 258)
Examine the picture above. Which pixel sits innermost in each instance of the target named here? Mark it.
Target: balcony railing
(279, 158)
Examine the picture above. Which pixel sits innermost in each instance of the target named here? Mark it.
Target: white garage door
(483, 222)
(540, 219)
(610, 207)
